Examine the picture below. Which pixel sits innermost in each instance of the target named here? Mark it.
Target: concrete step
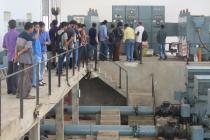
(110, 117)
(108, 135)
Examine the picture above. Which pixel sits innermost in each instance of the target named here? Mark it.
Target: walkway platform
(12, 126)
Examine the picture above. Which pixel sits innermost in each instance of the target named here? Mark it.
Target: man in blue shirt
(45, 40)
(37, 53)
(103, 38)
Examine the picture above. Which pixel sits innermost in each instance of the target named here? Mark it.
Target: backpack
(112, 36)
(59, 46)
(144, 36)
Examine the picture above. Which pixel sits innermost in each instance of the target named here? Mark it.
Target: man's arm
(4, 43)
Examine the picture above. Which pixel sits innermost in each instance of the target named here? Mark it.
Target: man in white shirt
(139, 32)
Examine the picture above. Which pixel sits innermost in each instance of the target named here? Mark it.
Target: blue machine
(193, 30)
(195, 105)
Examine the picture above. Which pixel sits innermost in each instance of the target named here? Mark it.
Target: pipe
(124, 130)
(124, 110)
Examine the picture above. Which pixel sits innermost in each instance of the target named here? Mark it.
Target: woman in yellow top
(129, 40)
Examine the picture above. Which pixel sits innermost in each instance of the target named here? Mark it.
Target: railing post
(37, 83)
(120, 77)
(79, 57)
(127, 83)
(49, 78)
(73, 61)
(21, 99)
(0, 107)
(95, 58)
(59, 71)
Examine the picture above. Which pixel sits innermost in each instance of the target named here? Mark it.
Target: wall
(169, 76)
(96, 92)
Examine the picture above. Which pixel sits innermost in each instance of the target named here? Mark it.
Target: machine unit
(191, 71)
(194, 31)
(151, 17)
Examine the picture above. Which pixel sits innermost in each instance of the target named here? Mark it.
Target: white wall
(18, 9)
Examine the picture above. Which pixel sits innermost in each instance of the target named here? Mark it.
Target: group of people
(134, 40)
(34, 46)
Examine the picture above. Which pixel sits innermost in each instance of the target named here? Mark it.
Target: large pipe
(124, 110)
(124, 130)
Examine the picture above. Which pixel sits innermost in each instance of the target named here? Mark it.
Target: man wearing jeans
(103, 37)
(129, 39)
(9, 44)
(161, 39)
(23, 55)
(44, 40)
(139, 32)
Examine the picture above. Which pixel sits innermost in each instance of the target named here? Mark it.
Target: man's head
(126, 25)
(139, 23)
(63, 25)
(29, 27)
(94, 25)
(162, 26)
(36, 26)
(54, 23)
(112, 25)
(42, 26)
(105, 22)
(119, 24)
(12, 24)
(72, 23)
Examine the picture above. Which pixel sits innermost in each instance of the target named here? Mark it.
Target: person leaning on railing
(23, 55)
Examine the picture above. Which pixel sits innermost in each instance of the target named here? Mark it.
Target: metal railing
(120, 68)
(49, 61)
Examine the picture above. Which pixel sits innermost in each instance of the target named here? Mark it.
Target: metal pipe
(0, 106)
(124, 110)
(124, 130)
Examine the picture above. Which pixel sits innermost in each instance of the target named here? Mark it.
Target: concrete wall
(168, 77)
(96, 92)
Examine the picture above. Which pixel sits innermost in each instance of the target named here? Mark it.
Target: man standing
(117, 41)
(52, 33)
(139, 32)
(44, 40)
(161, 39)
(24, 57)
(111, 41)
(92, 41)
(9, 44)
(129, 39)
(103, 38)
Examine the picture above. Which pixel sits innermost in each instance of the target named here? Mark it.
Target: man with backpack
(111, 41)
(62, 44)
(139, 32)
(161, 39)
(118, 32)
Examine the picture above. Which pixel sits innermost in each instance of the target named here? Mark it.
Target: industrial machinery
(195, 102)
(151, 17)
(193, 33)
(92, 16)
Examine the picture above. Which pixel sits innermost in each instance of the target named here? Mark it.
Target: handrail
(120, 74)
(72, 50)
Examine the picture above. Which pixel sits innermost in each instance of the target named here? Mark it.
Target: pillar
(34, 133)
(60, 120)
(75, 104)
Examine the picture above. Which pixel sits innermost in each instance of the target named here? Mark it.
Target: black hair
(162, 26)
(28, 25)
(54, 22)
(12, 24)
(73, 22)
(41, 24)
(140, 23)
(35, 23)
(63, 24)
(104, 22)
(126, 25)
(112, 25)
(119, 24)
(94, 24)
